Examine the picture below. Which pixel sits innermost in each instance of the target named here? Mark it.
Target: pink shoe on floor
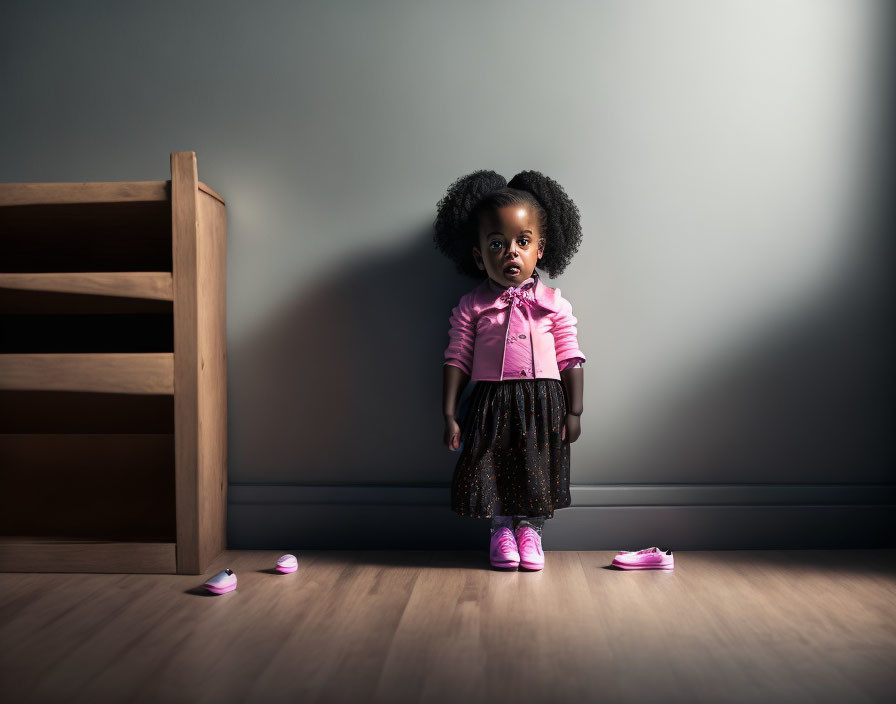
(647, 559)
(531, 554)
(222, 582)
(503, 552)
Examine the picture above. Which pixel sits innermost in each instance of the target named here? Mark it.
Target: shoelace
(528, 536)
(506, 541)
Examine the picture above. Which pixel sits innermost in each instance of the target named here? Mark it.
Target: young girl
(516, 338)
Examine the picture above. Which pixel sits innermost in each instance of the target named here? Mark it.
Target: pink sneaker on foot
(503, 552)
(531, 554)
(647, 559)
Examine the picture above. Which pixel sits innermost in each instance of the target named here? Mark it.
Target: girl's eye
(524, 242)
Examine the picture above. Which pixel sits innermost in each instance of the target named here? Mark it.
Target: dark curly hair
(456, 227)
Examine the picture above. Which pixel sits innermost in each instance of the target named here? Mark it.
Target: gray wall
(730, 289)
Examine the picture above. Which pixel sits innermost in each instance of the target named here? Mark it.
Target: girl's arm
(563, 328)
(454, 381)
(458, 364)
(573, 382)
(567, 346)
(457, 367)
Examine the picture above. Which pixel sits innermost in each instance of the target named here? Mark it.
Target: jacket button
(522, 337)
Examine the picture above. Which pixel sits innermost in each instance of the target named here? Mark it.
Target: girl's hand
(451, 436)
(572, 428)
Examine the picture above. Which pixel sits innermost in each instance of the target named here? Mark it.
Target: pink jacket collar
(490, 294)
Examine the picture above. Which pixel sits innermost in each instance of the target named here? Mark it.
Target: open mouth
(512, 270)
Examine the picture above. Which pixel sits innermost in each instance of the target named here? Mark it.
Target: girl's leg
(536, 522)
(501, 521)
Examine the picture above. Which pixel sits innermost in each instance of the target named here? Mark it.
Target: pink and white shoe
(529, 542)
(503, 552)
(647, 559)
(222, 582)
(287, 564)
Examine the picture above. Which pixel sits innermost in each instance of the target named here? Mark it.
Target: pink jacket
(488, 320)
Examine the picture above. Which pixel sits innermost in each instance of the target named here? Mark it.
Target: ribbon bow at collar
(520, 294)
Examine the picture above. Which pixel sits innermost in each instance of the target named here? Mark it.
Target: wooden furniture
(113, 417)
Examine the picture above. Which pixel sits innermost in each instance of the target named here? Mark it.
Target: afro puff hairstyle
(456, 227)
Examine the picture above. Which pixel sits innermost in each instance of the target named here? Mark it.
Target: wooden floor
(408, 626)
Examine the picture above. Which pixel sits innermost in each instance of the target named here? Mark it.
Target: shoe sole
(508, 565)
(220, 590)
(532, 566)
(644, 567)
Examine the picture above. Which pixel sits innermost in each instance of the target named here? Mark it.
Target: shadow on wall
(345, 385)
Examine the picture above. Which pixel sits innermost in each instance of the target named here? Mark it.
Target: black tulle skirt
(512, 461)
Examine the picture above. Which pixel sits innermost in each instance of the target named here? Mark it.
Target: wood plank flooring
(412, 626)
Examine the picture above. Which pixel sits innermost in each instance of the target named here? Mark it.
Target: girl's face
(509, 238)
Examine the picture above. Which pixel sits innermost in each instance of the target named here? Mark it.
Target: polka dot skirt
(513, 461)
